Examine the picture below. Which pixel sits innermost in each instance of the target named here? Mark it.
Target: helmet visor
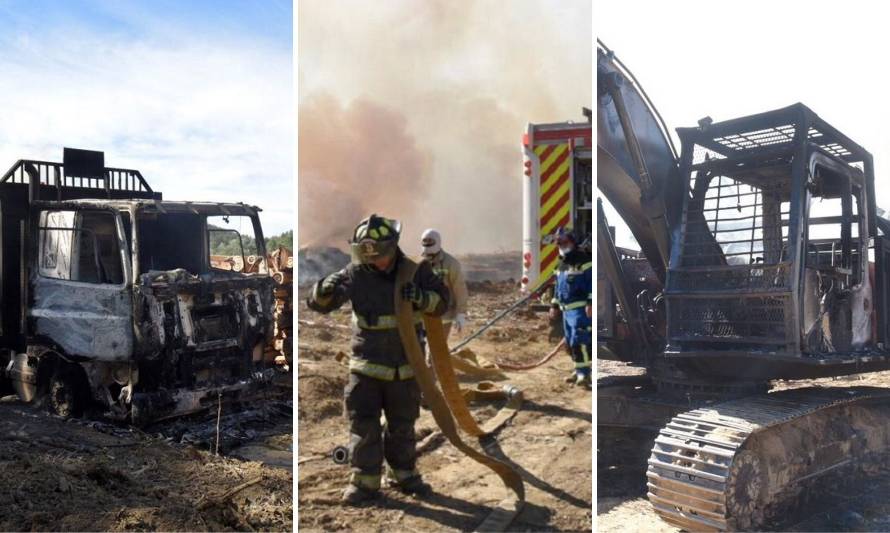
(367, 250)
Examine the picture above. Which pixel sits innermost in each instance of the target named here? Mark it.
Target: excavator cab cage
(773, 246)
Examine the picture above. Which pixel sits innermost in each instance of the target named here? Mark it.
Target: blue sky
(197, 95)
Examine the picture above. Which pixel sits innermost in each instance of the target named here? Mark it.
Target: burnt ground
(549, 440)
(91, 475)
(621, 483)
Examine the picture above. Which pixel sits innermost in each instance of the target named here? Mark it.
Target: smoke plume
(354, 160)
(416, 110)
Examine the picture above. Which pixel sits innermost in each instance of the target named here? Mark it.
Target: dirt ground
(549, 441)
(621, 482)
(91, 475)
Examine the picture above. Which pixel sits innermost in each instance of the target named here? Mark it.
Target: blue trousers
(577, 327)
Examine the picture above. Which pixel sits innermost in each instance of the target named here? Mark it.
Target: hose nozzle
(512, 391)
(340, 455)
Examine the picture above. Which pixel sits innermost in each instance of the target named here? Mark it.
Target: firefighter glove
(417, 296)
(460, 321)
(329, 285)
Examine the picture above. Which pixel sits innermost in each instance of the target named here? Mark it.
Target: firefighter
(448, 268)
(380, 376)
(572, 296)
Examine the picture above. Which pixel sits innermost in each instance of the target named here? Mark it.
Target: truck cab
(110, 297)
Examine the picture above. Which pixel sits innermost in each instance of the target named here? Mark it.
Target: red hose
(549, 356)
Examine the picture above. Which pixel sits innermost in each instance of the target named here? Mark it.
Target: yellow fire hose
(466, 362)
(444, 404)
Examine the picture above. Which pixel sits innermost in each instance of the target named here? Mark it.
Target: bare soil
(91, 475)
(621, 484)
(549, 441)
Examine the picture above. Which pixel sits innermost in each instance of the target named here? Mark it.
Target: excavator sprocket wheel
(744, 498)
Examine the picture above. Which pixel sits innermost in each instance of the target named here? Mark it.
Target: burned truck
(110, 299)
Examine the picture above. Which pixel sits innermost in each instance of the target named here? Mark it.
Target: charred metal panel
(83, 163)
(197, 329)
(630, 138)
(88, 320)
(158, 405)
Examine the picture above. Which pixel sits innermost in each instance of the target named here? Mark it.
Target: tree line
(224, 242)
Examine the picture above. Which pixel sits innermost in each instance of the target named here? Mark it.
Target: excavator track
(738, 464)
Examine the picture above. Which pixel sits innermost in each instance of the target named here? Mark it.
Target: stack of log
(281, 268)
(228, 262)
(236, 263)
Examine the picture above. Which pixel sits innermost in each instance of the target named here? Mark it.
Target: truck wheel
(66, 393)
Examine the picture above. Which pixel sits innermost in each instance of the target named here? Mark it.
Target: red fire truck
(557, 192)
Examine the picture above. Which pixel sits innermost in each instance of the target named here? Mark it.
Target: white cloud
(202, 120)
(727, 60)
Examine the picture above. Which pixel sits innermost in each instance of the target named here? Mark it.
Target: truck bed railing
(118, 180)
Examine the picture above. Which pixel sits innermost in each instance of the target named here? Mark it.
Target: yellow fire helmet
(375, 237)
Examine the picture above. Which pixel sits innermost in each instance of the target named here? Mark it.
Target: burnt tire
(66, 395)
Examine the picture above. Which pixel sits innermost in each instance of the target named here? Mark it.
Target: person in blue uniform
(572, 297)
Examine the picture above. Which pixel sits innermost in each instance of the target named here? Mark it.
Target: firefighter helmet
(566, 235)
(431, 241)
(374, 238)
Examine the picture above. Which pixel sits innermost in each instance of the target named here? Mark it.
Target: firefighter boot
(408, 482)
(356, 495)
(414, 485)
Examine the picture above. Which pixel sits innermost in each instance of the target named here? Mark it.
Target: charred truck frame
(109, 295)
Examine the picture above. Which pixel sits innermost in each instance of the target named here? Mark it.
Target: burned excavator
(762, 259)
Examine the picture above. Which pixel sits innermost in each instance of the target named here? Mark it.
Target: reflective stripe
(575, 270)
(573, 305)
(368, 481)
(406, 372)
(372, 370)
(585, 354)
(434, 300)
(361, 231)
(585, 364)
(383, 321)
(382, 372)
